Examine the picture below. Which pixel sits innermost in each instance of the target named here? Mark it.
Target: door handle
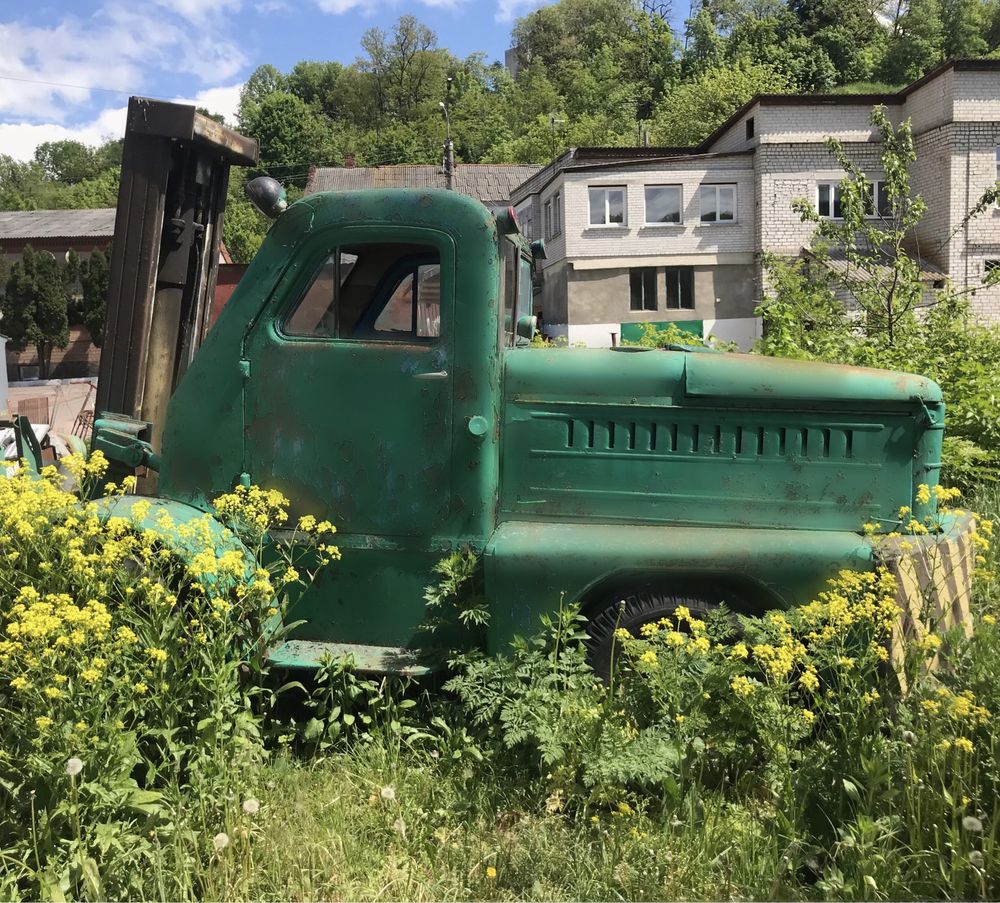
(437, 374)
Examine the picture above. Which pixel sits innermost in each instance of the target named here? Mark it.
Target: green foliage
(919, 42)
(457, 613)
(95, 274)
(35, 305)
(894, 320)
(63, 174)
(669, 335)
(690, 112)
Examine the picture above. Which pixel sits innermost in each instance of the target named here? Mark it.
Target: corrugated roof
(27, 224)
(488, 182)
(836, 259)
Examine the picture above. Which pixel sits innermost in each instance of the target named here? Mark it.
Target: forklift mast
(164, 261)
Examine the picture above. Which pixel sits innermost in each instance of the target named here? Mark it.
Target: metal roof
(27, 224)
(836, 259)
(488, 182)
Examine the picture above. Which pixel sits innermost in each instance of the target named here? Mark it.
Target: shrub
(123, 707)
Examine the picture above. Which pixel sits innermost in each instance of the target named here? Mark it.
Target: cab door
(348, 402)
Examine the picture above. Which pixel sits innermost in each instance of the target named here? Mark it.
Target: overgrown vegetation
(877, 310)
(142, 756)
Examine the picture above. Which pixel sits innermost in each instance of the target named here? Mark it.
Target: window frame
(643, 273)
(556, 223)
(607, 224)
(834, 186)
(680, 300)
(656, 224)
(718, 221)
(307, 262)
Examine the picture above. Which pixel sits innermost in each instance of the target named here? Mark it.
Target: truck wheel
(639, 608)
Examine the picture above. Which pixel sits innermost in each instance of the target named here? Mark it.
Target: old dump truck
(374, 366)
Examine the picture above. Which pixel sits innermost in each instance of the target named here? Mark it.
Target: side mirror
(267, 195)
(526, 327)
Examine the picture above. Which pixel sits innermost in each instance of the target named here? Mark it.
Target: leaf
(313, 729)
(92, 879)
(145, 801)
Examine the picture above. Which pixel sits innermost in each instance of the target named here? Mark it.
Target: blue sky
(58, 55)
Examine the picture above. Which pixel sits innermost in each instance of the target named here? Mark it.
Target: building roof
(836, 259)
(23, 225)
(583, 159)
(487, 182)
(861, 100)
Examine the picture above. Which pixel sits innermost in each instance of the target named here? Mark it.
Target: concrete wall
(603, 296)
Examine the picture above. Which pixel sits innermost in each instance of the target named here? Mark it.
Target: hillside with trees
(589, 72)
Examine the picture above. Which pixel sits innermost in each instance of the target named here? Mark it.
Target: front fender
(530, 565)
(181, 515)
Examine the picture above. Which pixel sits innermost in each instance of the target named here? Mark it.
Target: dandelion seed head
(220, 841)
(388, 793)
(251, 806)
(74, 766)
(972, 824)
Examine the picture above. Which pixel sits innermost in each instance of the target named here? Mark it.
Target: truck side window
(388, 292)
(508, 290)
(525, 291)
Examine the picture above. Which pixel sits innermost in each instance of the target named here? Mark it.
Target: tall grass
(527, 778)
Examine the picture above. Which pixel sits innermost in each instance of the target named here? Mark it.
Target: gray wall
(602, 296)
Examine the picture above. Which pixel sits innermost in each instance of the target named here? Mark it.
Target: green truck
(375, 365)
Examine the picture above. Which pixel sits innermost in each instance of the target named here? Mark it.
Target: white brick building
(676, 234)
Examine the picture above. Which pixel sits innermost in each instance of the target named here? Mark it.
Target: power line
(36, 81)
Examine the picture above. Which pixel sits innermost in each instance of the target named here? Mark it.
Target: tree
(882, 277)
(95, 278)
(67, 161)
(918, 44)
(964, 24)
(35, 306)
(691, 111)
(292, 138)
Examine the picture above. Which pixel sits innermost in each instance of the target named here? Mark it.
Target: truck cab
(374, 366)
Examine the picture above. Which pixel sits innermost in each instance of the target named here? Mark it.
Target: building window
(547, 220)
(829, 206)
(555, 222)
(680, 288)
(828, 200)
(750, 128)
(663, 204)
(642, 283)
(718, 203)
(998, 164)
(607, 206)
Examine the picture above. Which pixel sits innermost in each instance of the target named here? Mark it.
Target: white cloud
(114, 49)
(224, 100)
(19, 139)
(201, 10)
(508, 10)
(336, 7)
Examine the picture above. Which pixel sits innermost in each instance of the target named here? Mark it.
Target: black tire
(639, 608)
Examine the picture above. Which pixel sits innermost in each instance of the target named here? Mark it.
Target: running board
(367, 659)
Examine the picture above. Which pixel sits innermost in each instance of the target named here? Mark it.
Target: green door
(348, 403)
